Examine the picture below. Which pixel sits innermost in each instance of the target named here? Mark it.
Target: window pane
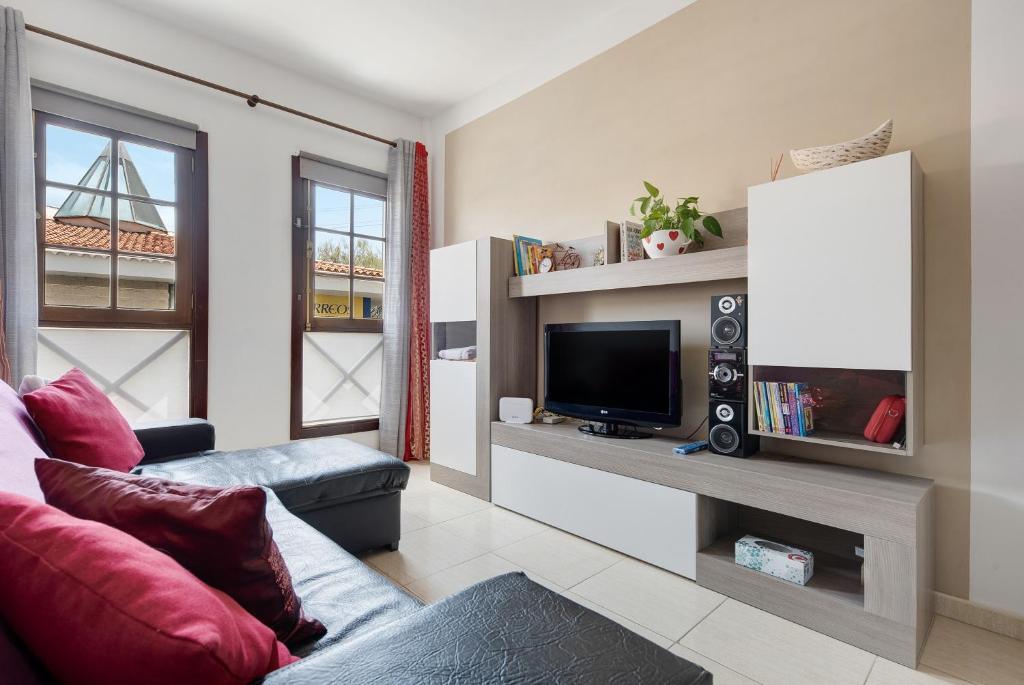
(146, 172)
(145, 373)
(77, 220)
(368, 298)
(77, 279)
(145, 227)
(340, 376)
(145, 283)
(331, 208)
(77, 157)
(369, 258)
(368, 215)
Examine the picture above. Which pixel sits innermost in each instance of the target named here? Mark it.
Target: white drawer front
(651, 522)
(453, 415)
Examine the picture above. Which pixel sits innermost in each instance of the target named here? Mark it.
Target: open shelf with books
(827, 406)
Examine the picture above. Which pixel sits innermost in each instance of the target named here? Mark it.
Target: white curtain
(17, 205)
(394, 393)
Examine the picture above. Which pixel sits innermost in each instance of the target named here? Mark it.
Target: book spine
(787, 416)
(807, 407)
(776, 408)
(798, 408)
(794, 413)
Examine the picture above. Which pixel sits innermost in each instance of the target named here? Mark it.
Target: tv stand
(685, 514)
(613, 430)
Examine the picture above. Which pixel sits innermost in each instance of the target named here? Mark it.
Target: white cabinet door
(453, 282)
(651, 522)
(830, 267)
(453, 415)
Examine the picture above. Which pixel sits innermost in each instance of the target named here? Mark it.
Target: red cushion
(81, 425)
(95, 605)
(221, 535)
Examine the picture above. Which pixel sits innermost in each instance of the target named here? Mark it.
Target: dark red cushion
(221, 535)
(80, 424)
(95, 605)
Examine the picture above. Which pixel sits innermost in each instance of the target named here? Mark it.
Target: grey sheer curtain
(17, 205)
(394, 392)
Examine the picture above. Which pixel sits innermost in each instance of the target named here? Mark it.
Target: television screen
(625, 372)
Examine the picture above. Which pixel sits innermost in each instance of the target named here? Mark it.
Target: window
(115, 226)
(122, 275)
(339, 248)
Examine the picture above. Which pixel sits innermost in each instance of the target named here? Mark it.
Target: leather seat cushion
(306, 474)
(504, 630)
(337, 589)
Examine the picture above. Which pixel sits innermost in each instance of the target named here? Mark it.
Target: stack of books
(784, 408)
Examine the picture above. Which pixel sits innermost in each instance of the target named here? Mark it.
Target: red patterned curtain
(417, 424)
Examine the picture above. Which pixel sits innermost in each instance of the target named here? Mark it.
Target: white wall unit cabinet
(453, 415)
(469, 305)
(453, 283)
(831, 266)
(652, 522)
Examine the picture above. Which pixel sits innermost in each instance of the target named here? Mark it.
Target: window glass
(76, 279)
(77, 158)
(146, 171)
(145, 283)
(332, 208)
(368, 215)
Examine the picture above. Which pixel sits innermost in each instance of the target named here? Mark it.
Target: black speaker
(729, 321)
(727, 429)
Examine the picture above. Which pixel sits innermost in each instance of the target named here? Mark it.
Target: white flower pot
(666, 244)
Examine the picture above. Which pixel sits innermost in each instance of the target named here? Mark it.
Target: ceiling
(420, 56)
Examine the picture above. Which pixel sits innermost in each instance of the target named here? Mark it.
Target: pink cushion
(80, 424)
(19, 446)
(95, 605)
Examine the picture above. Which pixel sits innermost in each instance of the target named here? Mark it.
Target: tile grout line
(703, 618)
(871, 670)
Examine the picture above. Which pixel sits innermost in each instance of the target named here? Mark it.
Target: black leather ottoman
(346, 490)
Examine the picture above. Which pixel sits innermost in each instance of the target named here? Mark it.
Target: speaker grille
(724, 438)
(726, 330)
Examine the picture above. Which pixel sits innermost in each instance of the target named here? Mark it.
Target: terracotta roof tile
(67, 235)
(324, 267)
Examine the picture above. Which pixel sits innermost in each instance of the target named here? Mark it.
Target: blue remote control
(691, 447)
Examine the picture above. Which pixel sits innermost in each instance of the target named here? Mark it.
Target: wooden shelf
(821, 437)
(831, 583)
(706, 265)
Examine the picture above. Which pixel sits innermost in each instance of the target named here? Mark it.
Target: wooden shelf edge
(699, 267)
(837, 440)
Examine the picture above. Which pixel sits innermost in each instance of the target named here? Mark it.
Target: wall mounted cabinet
(835, 280)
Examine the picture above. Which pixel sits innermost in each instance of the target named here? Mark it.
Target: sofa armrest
(506, 629)
(166, 440)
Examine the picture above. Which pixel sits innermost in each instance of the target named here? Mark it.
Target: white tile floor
(451, 540)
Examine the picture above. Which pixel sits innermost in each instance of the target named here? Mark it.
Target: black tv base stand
(614, 430)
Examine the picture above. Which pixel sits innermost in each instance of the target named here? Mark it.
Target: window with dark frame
(122, 236)
(339, 248)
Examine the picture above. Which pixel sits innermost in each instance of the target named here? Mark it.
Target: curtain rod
(252, 100)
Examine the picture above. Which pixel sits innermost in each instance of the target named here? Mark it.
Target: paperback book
(784, 408)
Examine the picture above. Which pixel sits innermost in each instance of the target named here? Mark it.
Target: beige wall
(697, 104)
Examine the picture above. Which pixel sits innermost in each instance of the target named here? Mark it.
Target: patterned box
(782, 561)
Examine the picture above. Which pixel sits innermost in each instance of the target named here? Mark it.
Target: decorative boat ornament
(870, 146)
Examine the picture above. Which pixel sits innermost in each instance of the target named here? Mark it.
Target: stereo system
(727, 379)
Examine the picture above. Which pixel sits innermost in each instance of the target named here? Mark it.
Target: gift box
(782, 561)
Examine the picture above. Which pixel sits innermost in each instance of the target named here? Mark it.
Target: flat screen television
(622, 374)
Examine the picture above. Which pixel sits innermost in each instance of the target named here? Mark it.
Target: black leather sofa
(504, 630)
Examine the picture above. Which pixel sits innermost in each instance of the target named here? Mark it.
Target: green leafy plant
(685, 217)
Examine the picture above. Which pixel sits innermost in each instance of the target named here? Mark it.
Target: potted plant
(667, 231)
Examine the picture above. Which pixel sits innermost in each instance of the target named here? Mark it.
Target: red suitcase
(886, 419)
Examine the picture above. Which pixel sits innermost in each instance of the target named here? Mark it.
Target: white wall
(997, 291)
(250, 181)
(578, 47)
